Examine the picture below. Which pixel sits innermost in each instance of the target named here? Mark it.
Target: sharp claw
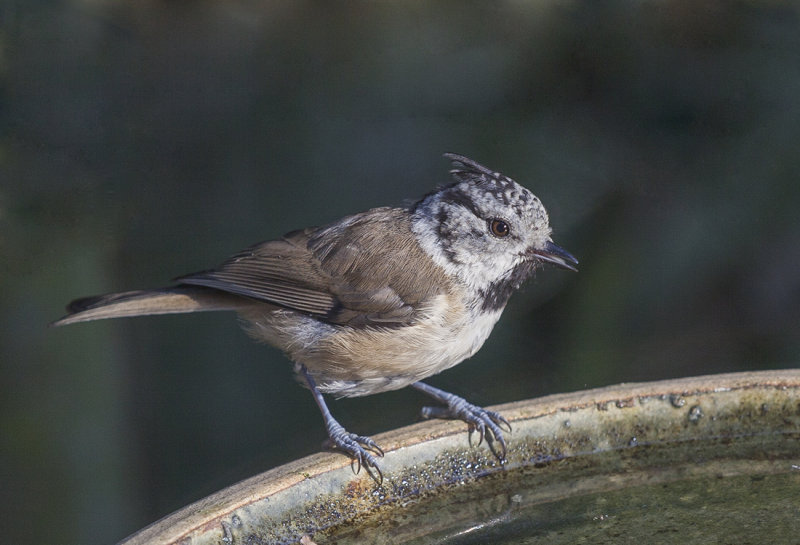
(498, 436)
(500, 454)
(494, 451)
(369, 470)
(355, 464)
(500, 421)
(370, 445)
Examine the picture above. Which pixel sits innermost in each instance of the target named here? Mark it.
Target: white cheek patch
(474, 267)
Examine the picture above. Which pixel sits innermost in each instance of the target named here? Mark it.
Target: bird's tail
(174, 300)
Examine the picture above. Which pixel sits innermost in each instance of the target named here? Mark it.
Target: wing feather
(358, 271)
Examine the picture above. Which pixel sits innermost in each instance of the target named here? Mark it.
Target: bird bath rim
(320, 492)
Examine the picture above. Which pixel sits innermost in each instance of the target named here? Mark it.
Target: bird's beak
(558, 256)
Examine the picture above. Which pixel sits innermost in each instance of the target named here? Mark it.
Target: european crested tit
(379, 300)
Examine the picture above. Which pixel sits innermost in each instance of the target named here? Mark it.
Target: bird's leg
(360, 447)
(489, 424)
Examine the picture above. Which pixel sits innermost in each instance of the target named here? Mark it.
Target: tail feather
(174, 300)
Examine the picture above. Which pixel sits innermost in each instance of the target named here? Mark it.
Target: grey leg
(361, 448)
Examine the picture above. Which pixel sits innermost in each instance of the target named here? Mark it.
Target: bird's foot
(488, 424)
(360, 448)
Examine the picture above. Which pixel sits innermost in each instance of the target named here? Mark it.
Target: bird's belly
(350, 362)
(363, 362)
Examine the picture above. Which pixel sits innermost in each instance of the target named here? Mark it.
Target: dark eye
(499, 228)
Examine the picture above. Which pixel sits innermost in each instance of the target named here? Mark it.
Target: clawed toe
(361, 449)
(489, 424)
(501, 422)
(368, 444)
(367, 461)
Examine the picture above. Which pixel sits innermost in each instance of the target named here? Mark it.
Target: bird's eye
(499, 228)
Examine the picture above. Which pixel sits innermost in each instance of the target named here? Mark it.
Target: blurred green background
(144, 140)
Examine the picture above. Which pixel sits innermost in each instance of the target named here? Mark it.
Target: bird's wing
(282, 272)
(358, 271)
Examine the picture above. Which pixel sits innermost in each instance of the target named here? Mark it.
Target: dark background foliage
(144, 140)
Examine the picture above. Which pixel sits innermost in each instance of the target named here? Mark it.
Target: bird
(378, 300)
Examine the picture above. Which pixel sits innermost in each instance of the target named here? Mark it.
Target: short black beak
(558, 256)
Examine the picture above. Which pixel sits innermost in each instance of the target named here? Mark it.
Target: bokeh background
(144, 140)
